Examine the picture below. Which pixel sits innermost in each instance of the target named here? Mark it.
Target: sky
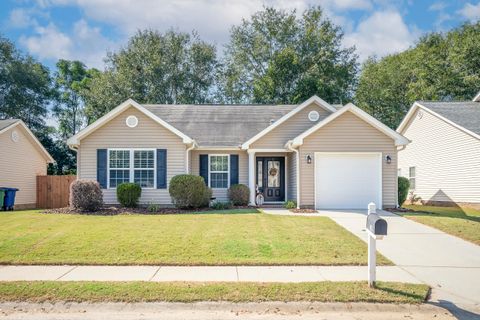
(87, 29)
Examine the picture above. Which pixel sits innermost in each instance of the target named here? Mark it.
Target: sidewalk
(203, 273)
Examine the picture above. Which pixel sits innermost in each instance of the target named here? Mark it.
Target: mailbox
(376, 225)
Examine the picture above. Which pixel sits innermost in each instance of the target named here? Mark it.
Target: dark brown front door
(271, 178)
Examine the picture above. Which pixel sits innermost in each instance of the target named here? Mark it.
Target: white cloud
(437, 6)
(382, 33)
(470, 11)
(20, 18)
(85, 43)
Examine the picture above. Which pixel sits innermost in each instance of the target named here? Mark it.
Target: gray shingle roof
(220, 125)
(7, 123)
(465, 114)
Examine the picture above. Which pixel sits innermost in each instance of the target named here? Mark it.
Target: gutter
(187, 158)
(289, 146)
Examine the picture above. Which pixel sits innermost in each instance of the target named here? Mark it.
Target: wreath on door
(273, 171)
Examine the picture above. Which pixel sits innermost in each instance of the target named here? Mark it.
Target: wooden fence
(53, 191)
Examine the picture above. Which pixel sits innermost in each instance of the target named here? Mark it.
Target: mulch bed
(303, 211)
(112, 211)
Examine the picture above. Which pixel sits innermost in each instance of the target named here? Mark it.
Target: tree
(277, 57)
(25, 87)
(154, 67)
(441, 66)
(71, 78)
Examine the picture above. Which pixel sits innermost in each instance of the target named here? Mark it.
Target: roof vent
(272, 121)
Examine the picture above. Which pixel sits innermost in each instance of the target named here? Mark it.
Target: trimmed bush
(86, 195)
(189, 191)
(403, 185)
(290, 204)
(128, 194)
(218, 205)
(239, 194)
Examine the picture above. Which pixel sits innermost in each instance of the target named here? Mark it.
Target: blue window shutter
(204, 167)
(161, 168)
(233, 169)
(102, 168)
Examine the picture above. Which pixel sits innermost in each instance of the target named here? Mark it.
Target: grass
(28, 237)
(52, 291)
(461, 222)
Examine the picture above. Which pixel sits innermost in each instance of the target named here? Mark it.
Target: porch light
(388, 159)
(309, 159)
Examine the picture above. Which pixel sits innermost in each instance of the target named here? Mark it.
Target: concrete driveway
(450, 265)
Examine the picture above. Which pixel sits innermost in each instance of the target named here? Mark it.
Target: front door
(271, 178)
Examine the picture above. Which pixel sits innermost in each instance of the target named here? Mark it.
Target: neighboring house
(22, 159)
(314, 153)
(443, 159)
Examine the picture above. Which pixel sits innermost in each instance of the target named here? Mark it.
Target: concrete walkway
(203, 273)
(450, 265)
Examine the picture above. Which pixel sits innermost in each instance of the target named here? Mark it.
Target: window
(411, 177)
(119, 167)
(144, 168)
(260, 174)
(131, 165)
(218, 165)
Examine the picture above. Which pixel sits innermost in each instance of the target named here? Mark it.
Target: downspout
(187, 158)
(289, 146)
(75, 148)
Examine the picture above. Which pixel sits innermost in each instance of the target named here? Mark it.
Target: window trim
(414, 177)
(132, 166)
(210, 172)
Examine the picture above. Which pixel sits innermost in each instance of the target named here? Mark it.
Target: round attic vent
(313, 116)
(132, 121)
(15, 137)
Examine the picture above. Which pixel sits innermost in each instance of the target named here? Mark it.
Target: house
(314, 153)
(443, 160)
(22, 159)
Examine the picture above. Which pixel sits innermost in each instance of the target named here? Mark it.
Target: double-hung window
(219, 171)
(131, 165)
(412, 177)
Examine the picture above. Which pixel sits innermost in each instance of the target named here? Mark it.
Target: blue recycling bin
(9, 198)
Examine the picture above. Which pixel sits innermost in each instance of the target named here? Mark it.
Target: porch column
(251, 176)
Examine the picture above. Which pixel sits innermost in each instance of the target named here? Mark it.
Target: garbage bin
(9, 198)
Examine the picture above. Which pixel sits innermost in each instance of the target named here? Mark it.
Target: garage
(348, 180)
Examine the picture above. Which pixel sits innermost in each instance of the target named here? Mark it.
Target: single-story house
(314, 153)
(22, 159)
(443, 160)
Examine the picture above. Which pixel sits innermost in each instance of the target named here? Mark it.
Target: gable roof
(11, 123)
(220, 125)
(398, 138)
(316, 100)
(75, 140)
(464, 115)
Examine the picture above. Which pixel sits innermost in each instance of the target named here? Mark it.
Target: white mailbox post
(376, 229)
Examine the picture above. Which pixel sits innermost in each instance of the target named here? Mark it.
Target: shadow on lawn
(381, 286)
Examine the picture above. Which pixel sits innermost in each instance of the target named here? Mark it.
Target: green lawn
(460, 222)
(51, 291)
(29, 237)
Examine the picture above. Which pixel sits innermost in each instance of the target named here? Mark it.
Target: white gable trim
(398, 138)
(75, 140)
(318, 101)
(34, 138)
(477, 97)
(403, 126)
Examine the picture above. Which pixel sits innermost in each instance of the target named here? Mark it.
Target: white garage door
(347, 180)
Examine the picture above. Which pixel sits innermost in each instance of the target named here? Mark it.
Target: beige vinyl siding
(348, 133)
(20, 164)
(291, 173)
(221, 194)
(148, 134)
(447, 160)
(288, 130)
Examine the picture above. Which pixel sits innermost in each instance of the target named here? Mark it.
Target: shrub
(128, 194)
(189, 191)
(86, 195)
(152, 207)
(290, 204)
(239, 194)
(218, 205)
(403, 185)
